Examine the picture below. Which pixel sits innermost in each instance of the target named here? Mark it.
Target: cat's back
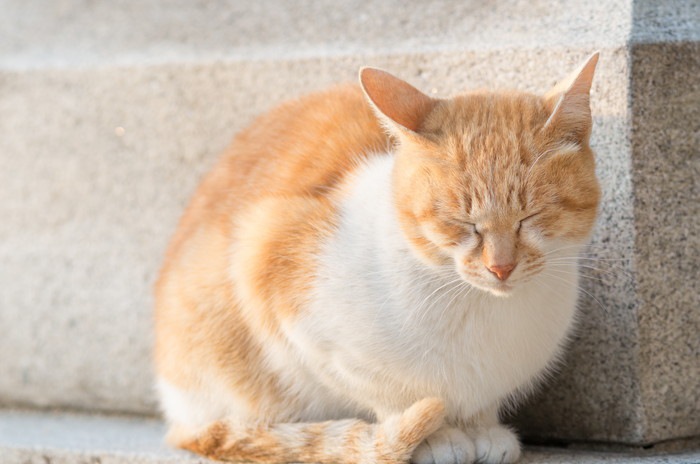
(304, 147)
(307, 145)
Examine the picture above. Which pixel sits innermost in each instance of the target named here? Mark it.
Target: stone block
(60, 438)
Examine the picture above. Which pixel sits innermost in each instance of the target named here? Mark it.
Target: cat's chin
(501, 289)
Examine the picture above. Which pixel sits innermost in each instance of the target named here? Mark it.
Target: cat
(369, 274)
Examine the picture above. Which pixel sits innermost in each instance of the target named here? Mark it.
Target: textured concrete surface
(58, 438)
(106, 128)
(666, 170)
(30, 438)
(668, 21)
(83, 32)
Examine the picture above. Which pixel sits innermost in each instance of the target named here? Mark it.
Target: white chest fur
(385, 330)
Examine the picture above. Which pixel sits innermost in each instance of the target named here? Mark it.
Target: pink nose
(502, 271)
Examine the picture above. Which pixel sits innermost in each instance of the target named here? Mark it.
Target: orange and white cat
(369, 274)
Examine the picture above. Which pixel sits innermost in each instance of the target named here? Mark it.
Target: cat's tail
(342, 442)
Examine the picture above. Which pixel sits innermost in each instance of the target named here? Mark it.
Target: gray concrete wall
(666, 167)
(111, 112)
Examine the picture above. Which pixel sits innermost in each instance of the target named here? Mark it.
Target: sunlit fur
(330, 293)
(486, 183)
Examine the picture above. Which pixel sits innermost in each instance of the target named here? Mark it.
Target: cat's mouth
(500, 289)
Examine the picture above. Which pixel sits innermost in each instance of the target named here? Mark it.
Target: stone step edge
(28, 437)
(23, 62)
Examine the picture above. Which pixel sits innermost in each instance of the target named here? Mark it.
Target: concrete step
(58, 438)
(80, 33)
(111, 111)
(28, 437)
(68, 33)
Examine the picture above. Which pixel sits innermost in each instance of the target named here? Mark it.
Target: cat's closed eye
(472, 228)
(527, 218)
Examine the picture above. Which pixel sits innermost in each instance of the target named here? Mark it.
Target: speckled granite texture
(106, 130)
(666, 170)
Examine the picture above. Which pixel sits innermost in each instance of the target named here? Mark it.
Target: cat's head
(493, 183)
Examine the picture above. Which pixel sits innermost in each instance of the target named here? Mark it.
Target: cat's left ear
(400, 106)
(570, 100)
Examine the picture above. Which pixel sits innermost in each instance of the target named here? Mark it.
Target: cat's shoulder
(307, 144)
(335, 119)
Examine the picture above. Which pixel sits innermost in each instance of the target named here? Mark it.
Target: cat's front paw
(495, 445)
(446, 446)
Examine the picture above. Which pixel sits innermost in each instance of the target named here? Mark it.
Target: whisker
(418, 311)
(612, 267)
(563, 272)
(584, 248)
(590, 258)
(463, 290)
(582, 267)
(425, 311)
(583, 290)
(461, 287)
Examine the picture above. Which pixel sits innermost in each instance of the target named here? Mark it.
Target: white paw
(495, 445)
(446, 446)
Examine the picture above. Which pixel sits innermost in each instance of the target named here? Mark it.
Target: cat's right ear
(400, 106)
(570, 99)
